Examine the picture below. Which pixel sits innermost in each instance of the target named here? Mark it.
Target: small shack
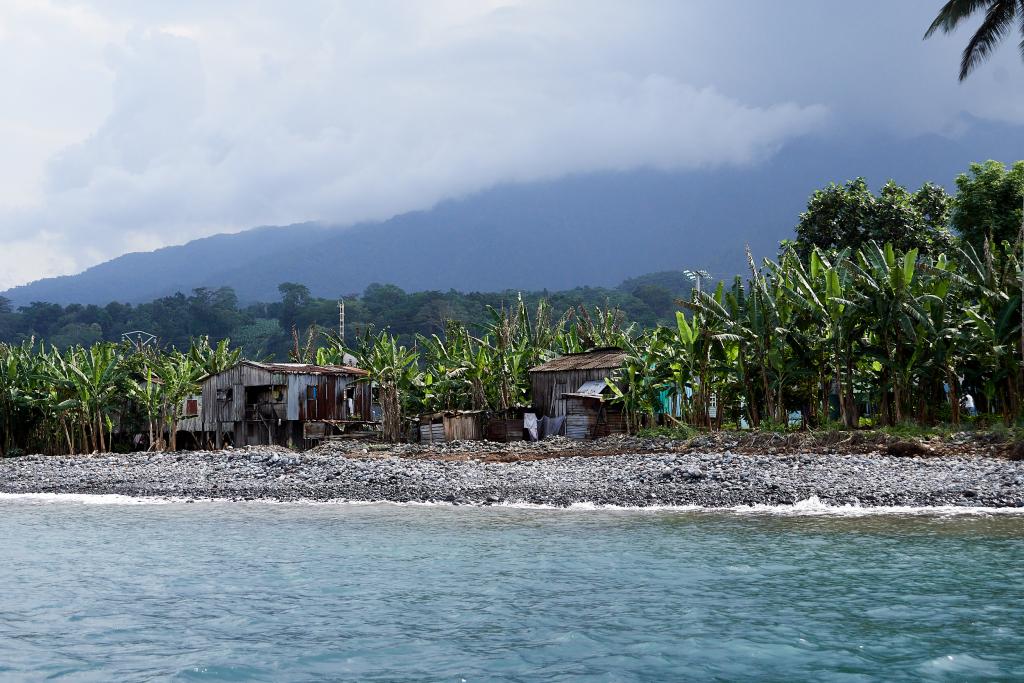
(588, 413)
(287, 404)
(553, 380)
(452, 425)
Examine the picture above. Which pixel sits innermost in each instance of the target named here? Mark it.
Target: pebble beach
(649, 477)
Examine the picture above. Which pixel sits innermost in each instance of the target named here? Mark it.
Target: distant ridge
(596, 229)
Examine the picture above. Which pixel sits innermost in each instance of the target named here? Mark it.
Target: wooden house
(575, 386)
(566, 374)
(287, 404)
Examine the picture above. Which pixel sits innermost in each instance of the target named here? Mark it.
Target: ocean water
(104, 590)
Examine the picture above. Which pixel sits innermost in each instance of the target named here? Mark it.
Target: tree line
(264, 330)
(99, 397)
(840, 325)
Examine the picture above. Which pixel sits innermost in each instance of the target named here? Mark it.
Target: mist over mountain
(594, 229)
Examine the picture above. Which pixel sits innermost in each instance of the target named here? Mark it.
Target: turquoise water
(221, 591)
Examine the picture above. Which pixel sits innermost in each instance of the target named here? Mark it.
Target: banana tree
(394, 370)
(179, 376)
(18, 389)
(94, 376)
(992, 320)
(212, 359)
(891, 297)
(644, 375)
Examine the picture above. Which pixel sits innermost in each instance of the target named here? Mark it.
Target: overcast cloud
(128, 126)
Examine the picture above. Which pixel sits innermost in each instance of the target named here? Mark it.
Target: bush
(836, 425)
(677, 432)
(775, 427)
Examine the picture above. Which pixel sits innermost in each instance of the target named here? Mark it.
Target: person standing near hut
(969, 405)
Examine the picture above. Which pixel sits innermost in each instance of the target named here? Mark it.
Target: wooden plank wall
(548, 388)
(589, 419)
(614, 422)
(504, 431)
(580, 418)
(464, 427)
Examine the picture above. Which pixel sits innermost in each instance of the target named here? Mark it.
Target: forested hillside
(597, 229)
(264, 329)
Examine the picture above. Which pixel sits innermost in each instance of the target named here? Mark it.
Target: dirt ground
(962, 444)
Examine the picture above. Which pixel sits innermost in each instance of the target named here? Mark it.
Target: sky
(129, 125)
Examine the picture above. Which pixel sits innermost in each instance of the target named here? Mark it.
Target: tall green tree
(851, 216)
(988, 203)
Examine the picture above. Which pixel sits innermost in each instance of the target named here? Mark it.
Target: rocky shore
(547, 473)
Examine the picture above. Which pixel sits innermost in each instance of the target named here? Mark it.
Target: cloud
(144, 124)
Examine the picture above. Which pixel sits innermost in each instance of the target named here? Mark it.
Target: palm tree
(1000, 19)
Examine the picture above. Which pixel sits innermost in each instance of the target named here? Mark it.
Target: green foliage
(851, 216)
(393, 369)
(77, 399)
(263, 330)
(490, 370)
(900, 332)
(989, 203)
(874, 309)
(677, 432)
(213, 359)
(1001, 17)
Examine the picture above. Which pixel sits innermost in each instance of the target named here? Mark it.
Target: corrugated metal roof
(598, 359)
(592, 388)
(308, 369)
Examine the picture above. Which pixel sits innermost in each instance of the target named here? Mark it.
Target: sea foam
(812, 506)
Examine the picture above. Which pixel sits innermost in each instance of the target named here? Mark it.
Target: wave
(812, 506)
(93, 498)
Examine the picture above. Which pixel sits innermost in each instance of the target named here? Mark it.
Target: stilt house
(287, 404)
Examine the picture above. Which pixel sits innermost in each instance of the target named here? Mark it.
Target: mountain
(596, 229)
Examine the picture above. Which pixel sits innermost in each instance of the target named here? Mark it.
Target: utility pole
(696, 276)
(341, 320)
(139, 338)
(1020, 240)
